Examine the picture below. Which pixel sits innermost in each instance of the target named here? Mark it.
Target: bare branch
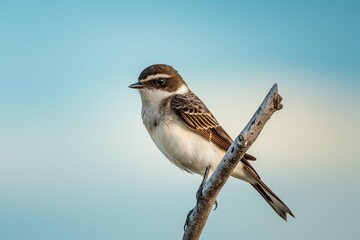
(209, 190)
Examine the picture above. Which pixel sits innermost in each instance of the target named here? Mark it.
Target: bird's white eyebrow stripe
(152, 77)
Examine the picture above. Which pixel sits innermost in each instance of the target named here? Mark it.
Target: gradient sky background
(77, 163)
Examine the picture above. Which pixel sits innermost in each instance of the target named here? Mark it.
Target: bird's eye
(160, 81)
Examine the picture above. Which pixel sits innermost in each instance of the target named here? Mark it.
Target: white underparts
(181, 145)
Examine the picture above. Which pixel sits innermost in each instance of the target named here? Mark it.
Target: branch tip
(274, 87)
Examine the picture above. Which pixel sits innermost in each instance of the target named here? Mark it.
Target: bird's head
(158, 82)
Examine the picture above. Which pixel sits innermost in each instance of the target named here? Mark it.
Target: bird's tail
(270, 197)
(250, 175)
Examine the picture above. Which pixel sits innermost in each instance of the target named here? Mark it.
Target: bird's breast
(182, 146)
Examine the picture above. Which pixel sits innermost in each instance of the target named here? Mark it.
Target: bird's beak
(137, 85)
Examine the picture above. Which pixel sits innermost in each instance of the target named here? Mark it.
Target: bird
(187, 133)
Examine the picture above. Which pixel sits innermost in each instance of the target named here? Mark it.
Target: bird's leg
(198, 196)
(199, 191)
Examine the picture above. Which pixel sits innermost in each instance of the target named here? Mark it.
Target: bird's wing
(193, 112)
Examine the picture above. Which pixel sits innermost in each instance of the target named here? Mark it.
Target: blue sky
(77, 163)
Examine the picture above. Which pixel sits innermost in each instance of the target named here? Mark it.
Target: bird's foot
(188, 219)
(198, 196)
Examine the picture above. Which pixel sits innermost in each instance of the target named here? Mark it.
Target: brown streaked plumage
(198, 118)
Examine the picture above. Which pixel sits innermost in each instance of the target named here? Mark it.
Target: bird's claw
(216, 205)
(188, 219)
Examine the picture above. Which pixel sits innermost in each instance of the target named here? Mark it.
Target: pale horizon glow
(77, 163)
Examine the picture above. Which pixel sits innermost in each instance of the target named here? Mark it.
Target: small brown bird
(186, 132)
